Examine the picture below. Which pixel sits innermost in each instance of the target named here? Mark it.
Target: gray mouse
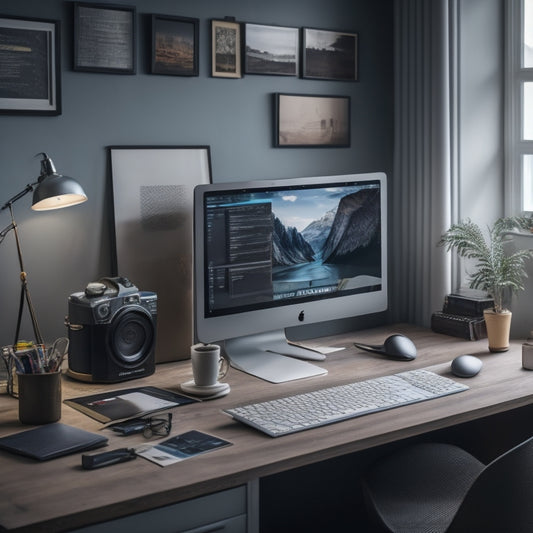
(396, 346)
(466, 366)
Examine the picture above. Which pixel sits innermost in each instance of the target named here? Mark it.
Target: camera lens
(132, 333)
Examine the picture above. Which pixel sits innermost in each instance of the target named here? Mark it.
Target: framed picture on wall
(311, 121)
(329, 55)
(175, 45)
(30, 66)
(104, 38)
(225, 49)
(271, 50)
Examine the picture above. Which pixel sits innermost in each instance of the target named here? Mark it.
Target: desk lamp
(50, 191)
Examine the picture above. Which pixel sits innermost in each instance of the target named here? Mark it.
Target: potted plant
(496, 272)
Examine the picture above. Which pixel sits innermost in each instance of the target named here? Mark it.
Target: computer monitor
(276, 254)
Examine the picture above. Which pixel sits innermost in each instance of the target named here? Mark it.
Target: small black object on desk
(396, 346)
(99, 460)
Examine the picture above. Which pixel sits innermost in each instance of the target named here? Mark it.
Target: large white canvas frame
(153, 208)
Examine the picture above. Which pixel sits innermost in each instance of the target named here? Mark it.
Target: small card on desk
(50, 441)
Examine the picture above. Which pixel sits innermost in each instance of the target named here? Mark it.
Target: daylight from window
(524, 157)
(528, 34)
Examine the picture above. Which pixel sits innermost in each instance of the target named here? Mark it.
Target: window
(519, 116)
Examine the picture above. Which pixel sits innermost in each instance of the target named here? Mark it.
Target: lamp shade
(54, 191)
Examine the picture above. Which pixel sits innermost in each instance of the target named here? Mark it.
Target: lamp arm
(24, 289)
(24, 192)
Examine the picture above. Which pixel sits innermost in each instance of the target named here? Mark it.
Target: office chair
(432, 487)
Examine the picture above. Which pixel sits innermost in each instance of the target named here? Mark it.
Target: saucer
(205, 392)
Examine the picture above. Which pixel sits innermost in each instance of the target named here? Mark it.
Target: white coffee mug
(207, 364)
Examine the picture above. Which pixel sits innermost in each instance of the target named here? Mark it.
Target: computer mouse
(466, 366)
(396, 346)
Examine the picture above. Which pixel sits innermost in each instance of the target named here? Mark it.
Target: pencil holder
(32, 358)
(39, 397)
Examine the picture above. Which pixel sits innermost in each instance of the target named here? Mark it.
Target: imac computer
(276, 254)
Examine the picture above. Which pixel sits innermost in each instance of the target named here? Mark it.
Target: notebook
(50, 441)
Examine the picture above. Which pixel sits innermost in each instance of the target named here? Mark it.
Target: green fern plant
(496, 271)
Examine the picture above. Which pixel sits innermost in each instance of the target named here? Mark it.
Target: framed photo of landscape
(225, 49)
(311, 121)
(104, 38)
(30, 66)
(329, 55)
(272, 50)
(175, 45)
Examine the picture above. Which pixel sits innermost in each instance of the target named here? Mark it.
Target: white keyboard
(325, 406)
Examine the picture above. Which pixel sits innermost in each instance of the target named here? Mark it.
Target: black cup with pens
(34, 375)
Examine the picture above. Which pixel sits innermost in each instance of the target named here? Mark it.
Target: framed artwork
(311, 121)
(104, 38)
(153, 218)
(271, 50)
(329, 55)
(175, 45)
(30, 66)
(225, 49)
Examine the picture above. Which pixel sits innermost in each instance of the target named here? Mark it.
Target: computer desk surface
(59, 495)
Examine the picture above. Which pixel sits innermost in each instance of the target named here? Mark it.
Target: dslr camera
(112, 331)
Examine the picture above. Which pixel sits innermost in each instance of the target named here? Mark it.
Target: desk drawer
(237, 524)
(221, 512)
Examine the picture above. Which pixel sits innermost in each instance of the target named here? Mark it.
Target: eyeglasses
(159, 425)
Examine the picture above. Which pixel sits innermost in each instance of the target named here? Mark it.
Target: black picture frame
(329, 55)
(226, 49)
(175, 45)
(30, 55)
(105, 38)
(271, 50)
(308, 120)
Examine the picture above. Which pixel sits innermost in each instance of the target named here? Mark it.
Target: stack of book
(462, 315)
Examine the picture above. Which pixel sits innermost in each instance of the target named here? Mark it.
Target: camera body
(112, 332)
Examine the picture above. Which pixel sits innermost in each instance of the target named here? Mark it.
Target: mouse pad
(50, 441)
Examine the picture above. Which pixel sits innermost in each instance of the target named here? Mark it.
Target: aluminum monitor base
(265, 356)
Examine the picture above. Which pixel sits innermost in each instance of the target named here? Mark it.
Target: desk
(59, 495)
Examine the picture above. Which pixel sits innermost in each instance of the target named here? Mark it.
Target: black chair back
(501, 498)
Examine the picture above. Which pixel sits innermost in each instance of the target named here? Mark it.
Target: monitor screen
(276, 254)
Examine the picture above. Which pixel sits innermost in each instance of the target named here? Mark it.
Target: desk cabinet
(224, 512)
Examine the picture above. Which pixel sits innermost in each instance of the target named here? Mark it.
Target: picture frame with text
(30, 63)
(104, 38)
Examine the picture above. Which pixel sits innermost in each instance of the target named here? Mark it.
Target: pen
(18, 364)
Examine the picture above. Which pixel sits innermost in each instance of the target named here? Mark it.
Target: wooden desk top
(59, 495)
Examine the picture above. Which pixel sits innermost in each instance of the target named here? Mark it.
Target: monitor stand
(265, 356)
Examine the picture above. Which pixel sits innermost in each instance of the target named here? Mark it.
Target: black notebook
(50, 441)
(115, 405)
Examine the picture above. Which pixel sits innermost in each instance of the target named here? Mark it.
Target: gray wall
(65, 249)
